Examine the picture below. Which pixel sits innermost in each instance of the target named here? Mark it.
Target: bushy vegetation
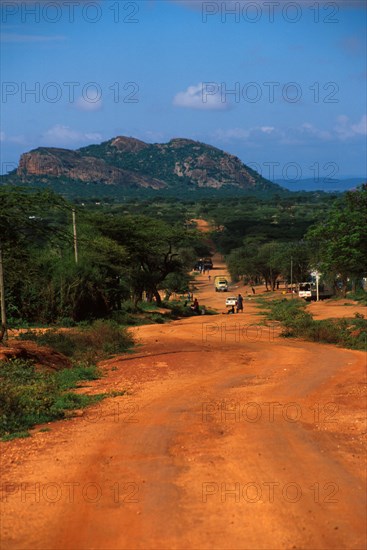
(262, 240)
(88, 344)
(121, 257)
(144, 248)
(339, 242)
(181, 308)
(278, 218)
(350, 333)
(29, 397)
(359, 296)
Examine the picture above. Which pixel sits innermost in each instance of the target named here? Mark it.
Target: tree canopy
(339, 242)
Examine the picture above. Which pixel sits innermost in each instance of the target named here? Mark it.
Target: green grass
(87, 344)
(297, 322)
(29, 397)
(15, 435)
(359, 296)
(71, 378)
(69, 401)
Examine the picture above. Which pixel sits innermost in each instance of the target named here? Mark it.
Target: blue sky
(280, 84)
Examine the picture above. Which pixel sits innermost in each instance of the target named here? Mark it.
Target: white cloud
(267, 129)
(60, 135)
(346, 130)
(311, 130)
(248, 134)
(302, 134)
(90, 105)
(205, 96)
(361, 127)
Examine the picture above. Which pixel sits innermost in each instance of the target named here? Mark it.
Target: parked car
(231, 301)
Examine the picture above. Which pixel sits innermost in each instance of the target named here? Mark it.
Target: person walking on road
(239, 303)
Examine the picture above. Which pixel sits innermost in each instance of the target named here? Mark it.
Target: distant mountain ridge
(327, 185)
(131, 163)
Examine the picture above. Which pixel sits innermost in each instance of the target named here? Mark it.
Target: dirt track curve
(230, 438)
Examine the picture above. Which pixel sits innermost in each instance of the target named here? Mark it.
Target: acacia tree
(177, 283)
(339, 243)
(295, 257)
(258, 261)
(243, 261)
(154, 251)
(267, 261)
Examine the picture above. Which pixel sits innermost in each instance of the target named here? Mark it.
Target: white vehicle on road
(308, 291)
(231, 301)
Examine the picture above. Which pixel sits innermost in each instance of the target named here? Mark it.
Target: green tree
(154, 250)
(295, 257)
(339, 243)
(243, 261)
(268, 261)
(27, 221)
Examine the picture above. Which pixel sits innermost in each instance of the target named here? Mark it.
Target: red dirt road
(230, 438)
(335, 309)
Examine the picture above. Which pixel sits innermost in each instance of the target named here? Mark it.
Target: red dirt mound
(45, 358)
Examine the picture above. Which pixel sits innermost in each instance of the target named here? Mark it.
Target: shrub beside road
(299, 323)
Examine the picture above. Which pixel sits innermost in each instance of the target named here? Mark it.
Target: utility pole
(292, 276)
(4, 328)
(317, 287)
(75, 237)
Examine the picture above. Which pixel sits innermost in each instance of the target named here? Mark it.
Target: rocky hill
(129, 162)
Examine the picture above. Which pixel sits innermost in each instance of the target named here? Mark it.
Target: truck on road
(203, 263)
(208, 263)
(220, 283)
(308, 291)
